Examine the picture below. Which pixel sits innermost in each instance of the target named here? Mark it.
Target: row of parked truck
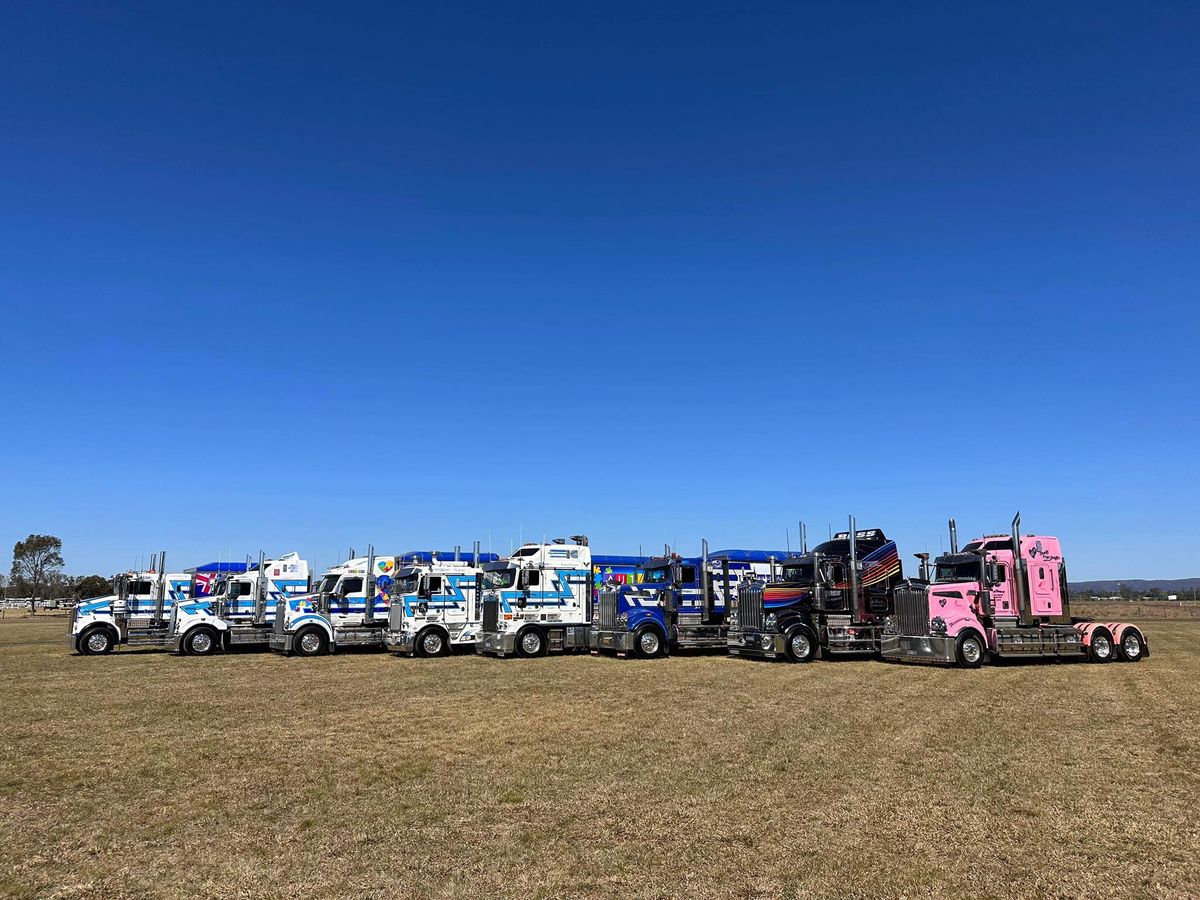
(999, 596)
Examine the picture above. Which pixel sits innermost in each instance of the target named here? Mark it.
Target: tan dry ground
(365, 776)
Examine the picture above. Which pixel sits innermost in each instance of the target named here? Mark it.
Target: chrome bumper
(927, 648)
(619, 641)
(404, 642)
(750, 644)
(496, 643)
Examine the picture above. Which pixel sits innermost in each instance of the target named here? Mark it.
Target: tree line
(36, 574)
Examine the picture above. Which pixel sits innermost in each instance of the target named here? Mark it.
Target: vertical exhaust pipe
(1020, 574)
(458, 552)
(706, 593)
(260, 590)
(369, 587)
(476, 562)
(161, 597)
(803, 538)
(855, 587)
(953, 537)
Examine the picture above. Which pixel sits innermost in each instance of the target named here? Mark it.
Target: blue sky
(300, 276)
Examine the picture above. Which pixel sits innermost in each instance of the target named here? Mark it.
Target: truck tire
(311, 642)
(648, 642)
(531, 642)
(1131, 648)
(201, 641)
(1100, 648)
(801, 645)
(969, 650)
(95, 641)
(432, 642)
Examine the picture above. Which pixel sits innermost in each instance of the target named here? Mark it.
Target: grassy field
(365, 776)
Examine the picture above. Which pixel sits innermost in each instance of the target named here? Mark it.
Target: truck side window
(688, 574)
(351, 586)
(533, 578)
(139, 587)
(435, 584)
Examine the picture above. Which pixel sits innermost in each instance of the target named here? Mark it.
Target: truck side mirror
(423, 588)
(992, 574)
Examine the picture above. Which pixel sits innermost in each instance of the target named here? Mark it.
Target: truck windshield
(803, 572)
(327, 584)
(959, 571)
(661, 575)
(499, 579)
(408, 584)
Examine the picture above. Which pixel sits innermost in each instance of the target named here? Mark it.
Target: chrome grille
(912, 611)
(750, 606)
(396, 615)
(491, 612)
(280, 616)
(606, 610)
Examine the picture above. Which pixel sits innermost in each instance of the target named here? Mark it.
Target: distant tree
(36, 560)
(92, 586)
(3, 586)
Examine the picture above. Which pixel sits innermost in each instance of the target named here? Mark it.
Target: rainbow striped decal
(878, 565)
(778, 597)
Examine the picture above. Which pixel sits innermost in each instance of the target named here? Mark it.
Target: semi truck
(834, 600)
(239, 609)
(137, 612)
(1003, 597)
(436, 604)
(539, 600)
(678, 603)
(347, 607)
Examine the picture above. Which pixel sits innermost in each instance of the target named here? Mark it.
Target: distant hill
(1139, 585)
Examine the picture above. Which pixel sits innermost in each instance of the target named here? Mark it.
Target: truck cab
(436, 603)
(137, 613)
(348, 607)
(1003, 596)
(833, 600)
(678, 602)
(240, 610)
(538, 600)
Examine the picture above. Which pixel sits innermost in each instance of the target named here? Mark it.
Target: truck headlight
(770, 621)
(623, 619)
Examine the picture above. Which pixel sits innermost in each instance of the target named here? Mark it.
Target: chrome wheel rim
(432, 644)
(531, 642)
(311, 642)
(971, 650)
(1132, 645)
(1103, 646)
(801, 646)
(97, 642)
(202, 642)
(648, 643)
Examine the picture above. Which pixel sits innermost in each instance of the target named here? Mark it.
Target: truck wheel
(801, 646)
(969, 650)
(311, 642)
(648, 642)
(530, 643)
(1131, 645)
(432, 642)
(95, 642)
(1100, 650)
(201, 641)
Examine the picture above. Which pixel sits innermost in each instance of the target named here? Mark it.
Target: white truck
(348, 607)
(538, 600)
(137, 613)
(436, 603)
(240, 610)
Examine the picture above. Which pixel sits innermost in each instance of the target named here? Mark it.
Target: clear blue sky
(308, 276)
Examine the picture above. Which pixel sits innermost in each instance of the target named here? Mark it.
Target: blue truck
(677, 602)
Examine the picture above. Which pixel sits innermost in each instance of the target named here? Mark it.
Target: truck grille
(750, 606)
(606, 615)
(912, 611)
(280, 616)
(491, 612)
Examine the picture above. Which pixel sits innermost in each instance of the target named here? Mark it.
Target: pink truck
(989, 601)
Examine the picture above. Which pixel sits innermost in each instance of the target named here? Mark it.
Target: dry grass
(365, 776)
